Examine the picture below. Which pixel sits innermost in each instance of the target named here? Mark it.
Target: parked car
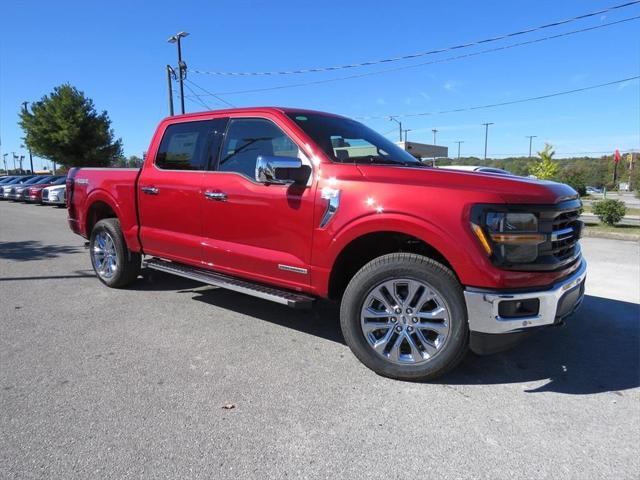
(33, 194)
(478, 169)
(55, 195)
(593, 190)
(298, 205)
(5, 188)
(18, 191)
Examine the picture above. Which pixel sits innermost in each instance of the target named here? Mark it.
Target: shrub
(609, 212)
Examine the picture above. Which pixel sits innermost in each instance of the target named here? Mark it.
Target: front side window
(189, 145)
(347, 141)
(249, 138)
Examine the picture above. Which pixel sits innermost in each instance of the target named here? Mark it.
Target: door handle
(150, 190)
(217, 196)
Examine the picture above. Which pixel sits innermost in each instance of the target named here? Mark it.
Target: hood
(511, 189)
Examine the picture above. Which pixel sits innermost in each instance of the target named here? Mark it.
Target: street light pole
(530, 137)
(434, 130)
(170, 73)
(24, 104)
(459, 142)
(399, 127)
(486, 137)
(4, 159)
(13, 154)
(406, 130)
(182, 67)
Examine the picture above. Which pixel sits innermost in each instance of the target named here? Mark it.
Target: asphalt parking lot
(100, 383)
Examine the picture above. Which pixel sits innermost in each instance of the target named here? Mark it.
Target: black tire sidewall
(418, 268)
(112, 227)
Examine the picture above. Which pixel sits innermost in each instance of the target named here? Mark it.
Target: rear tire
(404, 316)
(115, 265)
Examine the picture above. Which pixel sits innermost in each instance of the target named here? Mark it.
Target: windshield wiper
(383, 161)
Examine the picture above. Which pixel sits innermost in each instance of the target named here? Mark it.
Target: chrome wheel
(105, 256)
(406, 321)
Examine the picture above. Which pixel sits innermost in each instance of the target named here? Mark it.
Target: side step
(284, 297)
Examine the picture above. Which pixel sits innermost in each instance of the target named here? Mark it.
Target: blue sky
(116, 52)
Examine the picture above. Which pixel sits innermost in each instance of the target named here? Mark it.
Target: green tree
(574, 176)
(546, 168)
(65, 127)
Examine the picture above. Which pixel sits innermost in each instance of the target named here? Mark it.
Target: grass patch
(630, 211)
(600, 227)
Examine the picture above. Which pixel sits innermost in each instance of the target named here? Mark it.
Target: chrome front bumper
(483, 306)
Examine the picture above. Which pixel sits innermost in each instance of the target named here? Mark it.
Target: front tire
(115, 265)
(403, 315)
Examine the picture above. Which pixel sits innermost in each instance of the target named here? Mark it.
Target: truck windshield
(347, 141)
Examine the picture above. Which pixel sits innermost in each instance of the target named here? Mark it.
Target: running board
(284, 297)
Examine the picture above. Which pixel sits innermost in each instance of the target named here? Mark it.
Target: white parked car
(55, 195)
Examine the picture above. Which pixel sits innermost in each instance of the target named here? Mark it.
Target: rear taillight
(69, 191)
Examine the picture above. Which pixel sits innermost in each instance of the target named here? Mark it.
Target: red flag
(616, 156)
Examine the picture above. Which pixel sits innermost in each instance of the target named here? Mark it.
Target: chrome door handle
(217, 196)
(150, 190)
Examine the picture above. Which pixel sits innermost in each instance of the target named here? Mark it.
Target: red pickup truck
(292, 205)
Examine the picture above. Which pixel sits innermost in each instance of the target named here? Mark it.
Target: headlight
(510, 237)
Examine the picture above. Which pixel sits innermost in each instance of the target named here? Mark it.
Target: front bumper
(555, 303)
(54, 198)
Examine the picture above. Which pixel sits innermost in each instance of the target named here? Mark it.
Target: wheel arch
(354, 247)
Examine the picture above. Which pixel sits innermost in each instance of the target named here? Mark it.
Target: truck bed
(113, 186)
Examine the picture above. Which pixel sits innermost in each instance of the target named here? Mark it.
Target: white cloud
(451, 85)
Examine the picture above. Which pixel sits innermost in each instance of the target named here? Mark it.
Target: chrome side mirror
(278, 170)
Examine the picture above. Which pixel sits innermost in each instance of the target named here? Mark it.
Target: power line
(501, 104)
(202, 102)
(212, 94)
(422, 64)
(422, 54)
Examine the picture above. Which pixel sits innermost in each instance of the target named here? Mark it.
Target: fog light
(519, 308)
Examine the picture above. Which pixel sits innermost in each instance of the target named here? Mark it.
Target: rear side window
(247, 139)
(190, 145)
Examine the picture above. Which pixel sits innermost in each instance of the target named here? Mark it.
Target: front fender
(431, 233)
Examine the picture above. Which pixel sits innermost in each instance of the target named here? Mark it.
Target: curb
(610, 235)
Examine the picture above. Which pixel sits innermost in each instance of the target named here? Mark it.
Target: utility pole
(406, 130)
(459, 142)
(182, 67)
(486, 137)
(399, 127)
(14, 159)
(21, 160)
(24, 104)
(170, 73)
(530, 137)
(434, 130)
(4, 159)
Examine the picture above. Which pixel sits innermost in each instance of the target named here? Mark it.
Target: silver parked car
(55, 195)
(18, 191)
(7, 186)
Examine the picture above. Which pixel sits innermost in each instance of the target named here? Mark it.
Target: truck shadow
(597, 351)
(33, 250)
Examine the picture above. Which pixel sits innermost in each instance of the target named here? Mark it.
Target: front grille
(563, 230)
(565, 234)
(45, 194)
